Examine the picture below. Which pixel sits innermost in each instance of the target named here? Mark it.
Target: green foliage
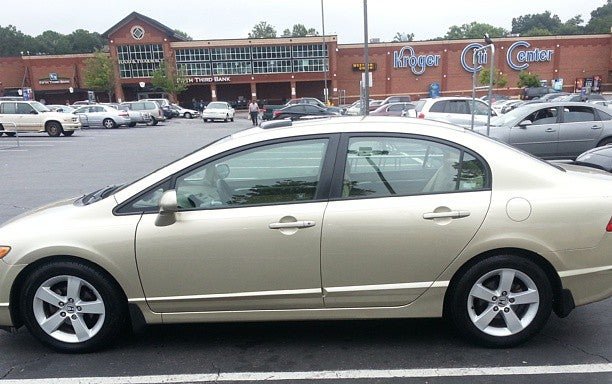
(474, 30)
(528, 80)
(169, 80)
(601, 19)
(399, 37)
(500, 80)
(299, 30)
(545, 24)
(98, 74)
(184, 35)
(13, 42)
(262, 30)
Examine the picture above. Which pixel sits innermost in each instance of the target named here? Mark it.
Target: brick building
(282, 68)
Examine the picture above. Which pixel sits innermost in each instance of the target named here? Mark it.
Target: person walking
(254, 111)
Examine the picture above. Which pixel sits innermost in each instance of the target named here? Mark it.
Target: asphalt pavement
(43, 169)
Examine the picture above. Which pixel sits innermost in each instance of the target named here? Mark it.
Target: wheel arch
(539, 260)
(605, 140)
(53, 121)
(17, 286)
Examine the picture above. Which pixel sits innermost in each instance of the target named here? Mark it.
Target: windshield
(39, 107)
(217, 105)
(511, 118)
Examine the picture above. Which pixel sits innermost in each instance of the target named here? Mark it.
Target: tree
(99, 74)
(53, 43)
(169, 80)
(474, 30)
(262, 30)
(299, 30)
(499, 80)
(601, 19)
(182, 34)
(528, 80)
(524, 24)
(82, 41)
(403, 37)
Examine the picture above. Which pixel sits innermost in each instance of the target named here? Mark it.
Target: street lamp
(365, 102)
(490, 46)
(325, 57)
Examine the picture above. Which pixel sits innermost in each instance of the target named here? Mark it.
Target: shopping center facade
(289, 67)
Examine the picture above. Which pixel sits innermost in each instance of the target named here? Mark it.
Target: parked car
(600, 158)
(32, 116)
(453, 109)
(299, 111)
(184, 112)
(397, 99)
(60, 108)
(312, 101)
(602, 103)
(355, 108)
(534, 92)
(580, 97)
(282, 224)
(555, 130)
(143, 111)
(553, 95)
(164, 104)
(374, 104)
(395, 109)
(98, 115)
(218, 110)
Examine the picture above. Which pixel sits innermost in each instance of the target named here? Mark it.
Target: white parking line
(328, 375)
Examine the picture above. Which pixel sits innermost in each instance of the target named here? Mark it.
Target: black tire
(187, 115)
(606, 141)
(459, 304)
(232, 119)
(226, 118)
(154, 121)
(115, 312)
(53, 129)
(109, 123)
(132, 124)
(68, 133)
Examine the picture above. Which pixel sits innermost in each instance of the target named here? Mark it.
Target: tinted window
(8, 108)
(279, 173)
(573, 114)
(604, 115)
(396, 107)
(543, 116)
(479, 108)
(217, 105)
(438, 106)
(312, 109)
(419, 105)
(457, 106)
(385, 166)
(150, 105)
(24, 109)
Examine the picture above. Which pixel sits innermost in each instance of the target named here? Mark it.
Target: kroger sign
(406, 57)
(517, 58)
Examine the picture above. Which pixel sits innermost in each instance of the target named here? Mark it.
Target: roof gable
(137, 16)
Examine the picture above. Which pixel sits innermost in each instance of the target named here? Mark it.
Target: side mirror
(33, 113)
(168, 206)
(525, 123)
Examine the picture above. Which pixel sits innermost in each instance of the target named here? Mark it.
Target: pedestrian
(194, 103)
(254, 111)
(201, 109)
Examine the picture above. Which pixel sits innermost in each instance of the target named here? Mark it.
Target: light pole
(325, 57)
(365, 104)
(489, 47)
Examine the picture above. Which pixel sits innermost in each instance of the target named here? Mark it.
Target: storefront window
(139, 60)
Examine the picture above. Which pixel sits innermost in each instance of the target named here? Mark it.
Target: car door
(541, 137)
(481, 112)
(96, 115)
(8, 116)
(580, 129)
(401, 211)
(247, 234)
(395, 110)
(28, 118)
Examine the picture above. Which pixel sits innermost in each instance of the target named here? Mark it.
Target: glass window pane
(278, 173)
(574, 114)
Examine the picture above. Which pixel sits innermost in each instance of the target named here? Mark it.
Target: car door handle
(596, 127)
(550, 130)
(449, 214)
(292, 224)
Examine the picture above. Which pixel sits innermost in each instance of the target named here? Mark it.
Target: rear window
(8, 108)
(438, 106)
(419, 105)
(150, 105)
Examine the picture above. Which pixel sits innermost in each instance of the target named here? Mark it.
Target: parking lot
(45, 169)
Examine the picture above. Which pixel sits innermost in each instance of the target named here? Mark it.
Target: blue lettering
(524, 57)
(406, 57)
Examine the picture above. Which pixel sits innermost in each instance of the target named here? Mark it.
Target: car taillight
(276, 113)
(609, 226)
(123, 113)
(421, 115)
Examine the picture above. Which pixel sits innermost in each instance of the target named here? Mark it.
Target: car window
(271, 174)
(603, 115)
(389, 166)
(574, 114)
(438, 106)
(312, 109)
(543, 116)
(457, 107)
(396, 107)
(419, 105)
(149, 105)
(217, 105)
(8, 108)
(97, 109)
(480, 108)
(24, 109)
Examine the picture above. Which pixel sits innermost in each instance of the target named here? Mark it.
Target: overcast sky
(224, 19)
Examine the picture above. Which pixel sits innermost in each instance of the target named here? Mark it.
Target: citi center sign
(518, 56)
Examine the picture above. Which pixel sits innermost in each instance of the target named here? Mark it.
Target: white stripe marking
(328, 375)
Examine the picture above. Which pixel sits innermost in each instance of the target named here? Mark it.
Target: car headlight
(4, 250)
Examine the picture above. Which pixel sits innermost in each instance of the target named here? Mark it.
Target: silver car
(99, 115)
(555, 130)
(341, 218)
(454, 110)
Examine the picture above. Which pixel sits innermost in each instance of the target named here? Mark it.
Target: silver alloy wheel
(69, 309)
(503, 302)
